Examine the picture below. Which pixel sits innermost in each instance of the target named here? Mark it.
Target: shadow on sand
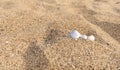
(35, 58)
(111, 28)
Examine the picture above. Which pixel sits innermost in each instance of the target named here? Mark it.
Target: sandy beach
(34, 34)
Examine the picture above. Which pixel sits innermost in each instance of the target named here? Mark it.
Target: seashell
(75, 34)
(91, 37)
(84, 36)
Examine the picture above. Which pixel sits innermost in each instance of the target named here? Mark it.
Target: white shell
(91, 37)
(84, 36)
(75, 34)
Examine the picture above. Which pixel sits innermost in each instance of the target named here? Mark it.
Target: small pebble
(84, 36)
(91, 37)
(7, 42)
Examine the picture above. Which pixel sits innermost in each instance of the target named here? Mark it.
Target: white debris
(75, 34)
(84, 36)
(91, 37)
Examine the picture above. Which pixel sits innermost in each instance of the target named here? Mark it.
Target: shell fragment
(75, 34)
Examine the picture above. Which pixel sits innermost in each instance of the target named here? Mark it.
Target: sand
(34, 34)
